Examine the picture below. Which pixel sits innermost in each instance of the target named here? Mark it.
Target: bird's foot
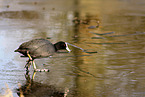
(41, 70)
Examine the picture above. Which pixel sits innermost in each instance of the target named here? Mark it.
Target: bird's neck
(56, 47)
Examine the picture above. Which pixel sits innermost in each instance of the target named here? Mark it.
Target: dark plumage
(39, 48)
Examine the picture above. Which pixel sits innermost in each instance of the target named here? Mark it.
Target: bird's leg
(30, 59)
(34, 73)
(27, 64)
(34, 66)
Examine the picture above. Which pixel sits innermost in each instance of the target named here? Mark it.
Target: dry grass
(8, 92)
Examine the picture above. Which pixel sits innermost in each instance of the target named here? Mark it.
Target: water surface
(112, 66)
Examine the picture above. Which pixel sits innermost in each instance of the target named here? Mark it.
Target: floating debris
(136, 33)
(102, 33)
(93, 27)
(86, 51)
(97, 38)
(90, 51)
(76, 47)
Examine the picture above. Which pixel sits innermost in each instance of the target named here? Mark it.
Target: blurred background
(112, 32)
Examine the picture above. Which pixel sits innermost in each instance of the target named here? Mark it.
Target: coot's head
(61, 45)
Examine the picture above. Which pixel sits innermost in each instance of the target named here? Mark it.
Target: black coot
(40, 48)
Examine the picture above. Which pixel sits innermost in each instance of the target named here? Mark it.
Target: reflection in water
(35, 89)
(102, 33)
(20, 14)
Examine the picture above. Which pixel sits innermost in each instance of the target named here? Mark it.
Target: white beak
(67, 47)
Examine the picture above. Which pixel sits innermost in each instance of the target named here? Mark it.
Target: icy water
(112, 66)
